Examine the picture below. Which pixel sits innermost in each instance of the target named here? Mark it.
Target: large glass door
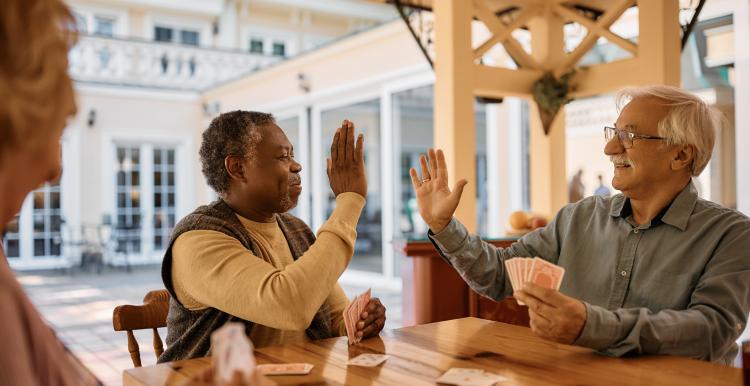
(146, 199)
(164, 196)
(34, 238)
(128, 200)
(368, 251)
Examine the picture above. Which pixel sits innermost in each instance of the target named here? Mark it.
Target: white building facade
(130, 155)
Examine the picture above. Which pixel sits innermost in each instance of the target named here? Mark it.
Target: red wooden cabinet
(433, 291)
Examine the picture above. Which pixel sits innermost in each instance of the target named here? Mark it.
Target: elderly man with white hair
(653, 270)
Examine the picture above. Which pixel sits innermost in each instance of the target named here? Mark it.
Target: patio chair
(152, 314)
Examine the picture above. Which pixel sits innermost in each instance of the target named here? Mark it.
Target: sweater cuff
(349, 206)
(343, 220)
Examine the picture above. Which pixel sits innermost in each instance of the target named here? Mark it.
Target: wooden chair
(152, 314)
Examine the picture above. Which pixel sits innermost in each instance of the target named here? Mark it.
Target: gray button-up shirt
(679, 285)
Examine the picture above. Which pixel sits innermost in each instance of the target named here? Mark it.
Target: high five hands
(436, 201)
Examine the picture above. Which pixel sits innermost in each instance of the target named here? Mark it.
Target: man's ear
(684, 157)
(234, 167)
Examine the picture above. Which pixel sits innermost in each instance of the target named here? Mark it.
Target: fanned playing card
(538, 271)
(545, 274)
(353, 313)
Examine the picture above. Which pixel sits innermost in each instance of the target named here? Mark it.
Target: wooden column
(548, 180)
(454, 130)
(659, 42)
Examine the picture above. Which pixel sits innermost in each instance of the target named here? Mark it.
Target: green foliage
(550, 94)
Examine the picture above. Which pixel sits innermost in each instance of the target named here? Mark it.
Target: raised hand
(436, 201)
(346, 167)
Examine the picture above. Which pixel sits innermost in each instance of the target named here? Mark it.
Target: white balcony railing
(158, 65)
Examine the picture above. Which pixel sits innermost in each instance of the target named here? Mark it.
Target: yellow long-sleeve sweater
(280, 295)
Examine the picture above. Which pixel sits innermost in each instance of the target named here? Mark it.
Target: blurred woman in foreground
(36, 99)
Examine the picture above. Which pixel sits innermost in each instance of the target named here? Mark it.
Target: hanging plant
(550, 94)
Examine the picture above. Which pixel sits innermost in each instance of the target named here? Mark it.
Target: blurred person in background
(602, 190)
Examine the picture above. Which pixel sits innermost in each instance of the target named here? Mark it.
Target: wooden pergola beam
(514, 49)
(503, 34)
(593, 33)
(498, 82)
(599, 28)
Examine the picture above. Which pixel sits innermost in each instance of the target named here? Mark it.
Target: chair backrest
(152, 314)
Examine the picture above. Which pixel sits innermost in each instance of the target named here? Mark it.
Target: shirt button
(624, 273)
(635, 230)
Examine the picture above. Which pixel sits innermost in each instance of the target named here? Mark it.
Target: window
(128, 200)
(183, 36)
(164, 196)
(104, 26)
(81, 24)
(162, 34)
(279, 49)
(47, 224)
(368, 254)
(11, 240)
(189, 37)
(256, 46)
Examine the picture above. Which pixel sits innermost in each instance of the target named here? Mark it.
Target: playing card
(353, 320)
(232, 351)
(285, 369)
(546, 274)
(510, 276)
(364, 301)
(367, 360)
(348, 323)
(352, 314)
(469, 377)
(515, 271)
(527, 269)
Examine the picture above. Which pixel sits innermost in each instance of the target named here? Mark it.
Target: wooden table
(420, 354)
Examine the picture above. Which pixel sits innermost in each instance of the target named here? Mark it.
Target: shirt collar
(677, 213)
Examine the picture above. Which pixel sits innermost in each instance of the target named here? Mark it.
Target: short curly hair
(233, 133)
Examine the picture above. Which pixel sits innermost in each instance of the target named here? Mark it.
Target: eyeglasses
(626, 137)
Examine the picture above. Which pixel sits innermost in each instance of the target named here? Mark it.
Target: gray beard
(286, 203)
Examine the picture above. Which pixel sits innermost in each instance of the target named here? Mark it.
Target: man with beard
(654, 270)
(242, 258)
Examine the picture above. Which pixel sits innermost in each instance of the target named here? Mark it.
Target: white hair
(689, 121)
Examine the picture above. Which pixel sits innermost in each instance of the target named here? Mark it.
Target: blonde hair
(35, 36)
(689, 121)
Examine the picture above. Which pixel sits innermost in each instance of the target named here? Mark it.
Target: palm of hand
(436, 204)
(435, 199)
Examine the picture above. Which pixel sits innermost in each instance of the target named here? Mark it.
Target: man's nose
(614, 146)
(296, 167)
